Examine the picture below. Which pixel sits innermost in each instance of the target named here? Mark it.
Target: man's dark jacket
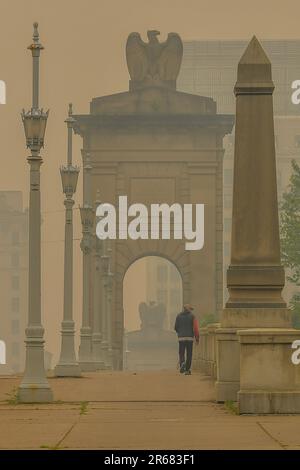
(186, 325)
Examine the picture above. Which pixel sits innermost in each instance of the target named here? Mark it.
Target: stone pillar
(255, 277)
(68, 365)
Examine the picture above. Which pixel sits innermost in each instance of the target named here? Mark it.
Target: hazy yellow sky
(84, 57)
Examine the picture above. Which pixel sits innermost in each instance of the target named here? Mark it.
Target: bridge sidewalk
(143, 410)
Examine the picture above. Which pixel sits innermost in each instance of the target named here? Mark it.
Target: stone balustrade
(205, 357)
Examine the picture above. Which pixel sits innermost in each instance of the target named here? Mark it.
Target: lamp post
(104, 273)
(125, 350)
(68, 365)
(109, 289)
(110, 277)
(87, 215)
(97, 310)
(34, 386)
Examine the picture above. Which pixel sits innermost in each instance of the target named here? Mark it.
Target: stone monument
(255, 277)
(156, 144)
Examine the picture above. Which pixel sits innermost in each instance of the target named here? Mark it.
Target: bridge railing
(205, 358)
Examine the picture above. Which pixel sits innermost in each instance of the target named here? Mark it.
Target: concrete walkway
(143, 410)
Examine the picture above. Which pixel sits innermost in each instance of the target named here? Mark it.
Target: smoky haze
(84, 57)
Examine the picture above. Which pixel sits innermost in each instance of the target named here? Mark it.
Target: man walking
(186, 327)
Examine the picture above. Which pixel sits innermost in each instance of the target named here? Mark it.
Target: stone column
(86, 361)
(97, 307)
(68, 365)
(34, 386)
(255, 278)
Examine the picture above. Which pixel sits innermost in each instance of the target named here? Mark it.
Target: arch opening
(152, 297)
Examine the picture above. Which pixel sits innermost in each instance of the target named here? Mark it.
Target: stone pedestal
(97, 351)
(228, 365)
(228, 350)
(269, 381)
(67, 366)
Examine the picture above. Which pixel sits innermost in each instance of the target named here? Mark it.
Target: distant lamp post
(34, 386)
(104, 272)
(86, 361)
(97, 310)
(110, 278)
(109, 288)
(68, 365)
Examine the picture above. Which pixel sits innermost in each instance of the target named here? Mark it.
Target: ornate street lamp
(34, 122)
(68, 365)
(34, 386)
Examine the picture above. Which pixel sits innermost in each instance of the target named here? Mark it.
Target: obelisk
(255, 277)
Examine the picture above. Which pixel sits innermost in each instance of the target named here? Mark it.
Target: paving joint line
(70, 430)
(66, 434)
(283, 447)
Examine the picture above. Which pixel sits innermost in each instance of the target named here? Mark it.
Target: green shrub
(208, 318)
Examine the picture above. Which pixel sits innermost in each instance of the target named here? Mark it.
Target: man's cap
(188, 307)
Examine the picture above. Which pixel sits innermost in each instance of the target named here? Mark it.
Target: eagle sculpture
(154, 60)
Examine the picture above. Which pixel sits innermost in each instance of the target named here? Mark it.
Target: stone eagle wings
(155, 60)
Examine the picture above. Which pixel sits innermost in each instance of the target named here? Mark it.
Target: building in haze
(13, 279)
(164, 285)
(209, 68)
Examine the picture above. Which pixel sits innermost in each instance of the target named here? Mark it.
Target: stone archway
(128, 252)
(155, 144)
(152, 297)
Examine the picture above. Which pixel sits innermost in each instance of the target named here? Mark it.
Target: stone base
(210, 367)
(228, 365)
(35, 394)
(269, 402)
(226, 391)
(207, 367)
(67, 370)
(87, 366)
(99, 365)
(269, 381)
(256, 318)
